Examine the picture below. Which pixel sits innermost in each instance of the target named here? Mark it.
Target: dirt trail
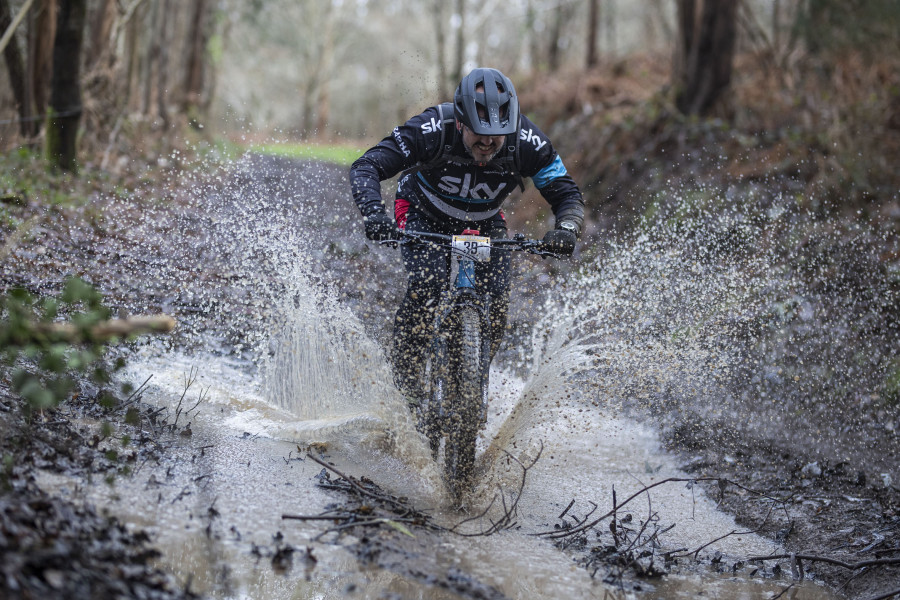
(167, 258)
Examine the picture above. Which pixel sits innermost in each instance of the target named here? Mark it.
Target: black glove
(562, 241)
(380, 227)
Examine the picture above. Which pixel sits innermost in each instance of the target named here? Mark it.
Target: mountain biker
(459, 164)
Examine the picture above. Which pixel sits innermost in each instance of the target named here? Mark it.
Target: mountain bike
(455, 383)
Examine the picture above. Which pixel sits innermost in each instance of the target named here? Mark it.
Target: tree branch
(103, 331)
(7, 35)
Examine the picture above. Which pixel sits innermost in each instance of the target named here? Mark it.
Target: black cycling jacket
(456, 190)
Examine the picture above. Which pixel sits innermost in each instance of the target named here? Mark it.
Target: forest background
(786, 112)
(813, 82)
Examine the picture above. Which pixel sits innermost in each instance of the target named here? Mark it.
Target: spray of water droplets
(724, 322)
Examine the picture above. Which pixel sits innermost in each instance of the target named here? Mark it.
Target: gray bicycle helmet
(485, 101)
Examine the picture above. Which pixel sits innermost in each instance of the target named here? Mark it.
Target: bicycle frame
(459, 356)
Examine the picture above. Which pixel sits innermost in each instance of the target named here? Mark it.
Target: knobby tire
(464, 417)
(440, 389)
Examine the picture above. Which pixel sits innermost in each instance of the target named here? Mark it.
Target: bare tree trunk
(65, 95)
(15, 65)
(196, 63)
(593, 19)
(707, 31)
(131, 59)
(555, 33)
(148, 59)
(101, 29)
(41, 33)
(534, 49)
(162, 63)
(458, 64)
(221, 28)
(326, 60)
(441, 41)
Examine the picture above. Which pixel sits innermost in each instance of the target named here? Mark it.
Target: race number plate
(472, 247)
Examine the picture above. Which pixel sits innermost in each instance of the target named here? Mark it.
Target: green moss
(26, 176)
(339, 155)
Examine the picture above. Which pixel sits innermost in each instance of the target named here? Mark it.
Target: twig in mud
(588, 515)
(399, 509)
(322, 517)
(357, 487)
(722, 537)
(832, 561)
(204, 395)
(729, 534)
(891, 594)
(576, 530)
(782, 592)
(563, 513)
(136, 394)
(506, 521)
(190, 380)
(184, 492)
(630, 546)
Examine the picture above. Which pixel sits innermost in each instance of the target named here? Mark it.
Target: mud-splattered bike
(455, 383)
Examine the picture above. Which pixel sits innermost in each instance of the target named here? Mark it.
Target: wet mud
(778, 485)
(51, 547)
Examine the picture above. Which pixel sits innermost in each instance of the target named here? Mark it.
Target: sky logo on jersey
(532, 138)
(433, 126)
(464, 188)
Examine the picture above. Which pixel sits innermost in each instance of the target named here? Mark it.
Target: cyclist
(460, 163)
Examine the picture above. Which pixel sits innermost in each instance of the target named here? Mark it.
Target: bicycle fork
(465, 293)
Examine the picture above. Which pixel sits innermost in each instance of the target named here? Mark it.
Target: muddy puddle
(215, 506)
(652, 323)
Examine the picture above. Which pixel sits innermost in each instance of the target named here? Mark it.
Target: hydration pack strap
(509, 162)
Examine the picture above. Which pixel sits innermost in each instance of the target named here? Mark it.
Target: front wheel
(440, 391)
(464, 419)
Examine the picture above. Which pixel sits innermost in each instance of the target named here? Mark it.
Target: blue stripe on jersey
(549, 173)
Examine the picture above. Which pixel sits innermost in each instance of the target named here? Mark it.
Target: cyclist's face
(482, 147)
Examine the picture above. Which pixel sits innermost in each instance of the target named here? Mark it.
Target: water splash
(666, 320)
(753, 318)
(322, 362)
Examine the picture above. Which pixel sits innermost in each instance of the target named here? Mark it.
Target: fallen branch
(360, 489)
(833, 561)
(555, 534)
(397, 510)
(506, 521)
(106, 330)
(890, 594)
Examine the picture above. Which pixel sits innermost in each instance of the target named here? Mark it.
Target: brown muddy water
(663, 321)
(215, 509)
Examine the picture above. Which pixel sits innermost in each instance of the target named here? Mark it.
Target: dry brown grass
(828, 123)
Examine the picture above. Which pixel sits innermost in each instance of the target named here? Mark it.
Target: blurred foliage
(25, 176)
(46, 368)
(336, 154)
(835, 25)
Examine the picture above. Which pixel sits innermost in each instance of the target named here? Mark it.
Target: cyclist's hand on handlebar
(561, 241)
(380, 227)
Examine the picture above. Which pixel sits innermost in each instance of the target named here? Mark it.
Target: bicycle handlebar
(518, 242)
